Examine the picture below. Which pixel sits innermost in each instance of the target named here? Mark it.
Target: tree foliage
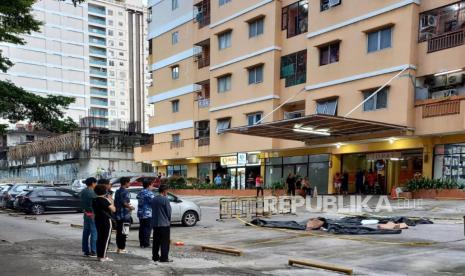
(16, 104)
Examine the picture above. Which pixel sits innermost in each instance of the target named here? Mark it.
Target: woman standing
(103, 207)
(306, 187)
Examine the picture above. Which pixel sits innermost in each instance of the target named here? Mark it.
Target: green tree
(16, 104)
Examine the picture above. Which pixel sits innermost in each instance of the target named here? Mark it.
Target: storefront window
(204, 169)
(273, 175)
(449, 162)
(177, 170)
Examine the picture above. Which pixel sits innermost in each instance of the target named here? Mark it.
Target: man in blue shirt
(144, 213)
(89, 232)
(218, 180)
(161, 222)
(122, 214)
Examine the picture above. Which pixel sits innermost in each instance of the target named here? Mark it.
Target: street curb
(52, 221)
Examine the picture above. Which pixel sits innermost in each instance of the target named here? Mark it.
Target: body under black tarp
(346, 225)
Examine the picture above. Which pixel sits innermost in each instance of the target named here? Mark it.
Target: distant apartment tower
(94, 52)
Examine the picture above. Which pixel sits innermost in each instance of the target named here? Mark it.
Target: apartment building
(313, 88)
(94, 52)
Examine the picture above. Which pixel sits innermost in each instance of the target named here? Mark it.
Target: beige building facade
(320, 86)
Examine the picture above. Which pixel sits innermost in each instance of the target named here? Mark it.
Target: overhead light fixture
(448, 72)
(312, 131)
(338, 145)
(190, 158)
(395, 159)
(392, 140)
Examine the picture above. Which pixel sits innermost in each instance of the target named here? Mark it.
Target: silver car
(182, 211)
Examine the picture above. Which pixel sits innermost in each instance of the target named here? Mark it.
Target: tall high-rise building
(94, 52)
(319, 87)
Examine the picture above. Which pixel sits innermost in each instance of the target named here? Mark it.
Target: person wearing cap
(89, 232)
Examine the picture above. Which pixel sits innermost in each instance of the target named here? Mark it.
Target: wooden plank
(223, 250)
(348, 271)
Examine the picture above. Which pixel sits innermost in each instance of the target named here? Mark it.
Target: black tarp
(346, 225)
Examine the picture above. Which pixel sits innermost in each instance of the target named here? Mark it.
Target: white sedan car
(182, 211)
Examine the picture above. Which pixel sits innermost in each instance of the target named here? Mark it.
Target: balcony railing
(204, 103)
(203, 61)
(98, 72)
(95, 101)
(98, 92)
(98, 41)
(98, 82)
(445, 41)
(97, 51)
(441, 109)
(97, 20)
(97, 31)
(177, 144)
(97, 10)
(98, 62)
(203, 141)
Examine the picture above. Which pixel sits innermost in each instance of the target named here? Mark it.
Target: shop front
(449, 162)
(315, 167)
(241, 170)
(391, 169)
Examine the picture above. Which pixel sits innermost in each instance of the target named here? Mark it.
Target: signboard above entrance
(229, 160)
(240, 160)
(384, 155)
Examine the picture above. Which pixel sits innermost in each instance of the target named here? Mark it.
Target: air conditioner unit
(332, 3)
(443, 93)
(440, 81)
(428, 21)
(454, 79)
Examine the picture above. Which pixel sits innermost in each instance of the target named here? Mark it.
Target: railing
(98, 72)
(97, 20)
(203, 61)
(97, 41)
(98, 102)
(97, 51)
(203, 141)
(204, 103)
(98, 62)
(177, 144)
(97, 10)
(445, 41)
(97, 31)
(441, 109)
(98, 82)
(98, 92)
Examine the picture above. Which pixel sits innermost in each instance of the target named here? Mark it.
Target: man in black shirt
(290, 181)
(161, 222)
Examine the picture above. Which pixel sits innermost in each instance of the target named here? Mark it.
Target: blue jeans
(89, 230)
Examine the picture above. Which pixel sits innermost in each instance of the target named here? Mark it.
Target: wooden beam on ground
(222, 250)
(348, 271)
(52, 221)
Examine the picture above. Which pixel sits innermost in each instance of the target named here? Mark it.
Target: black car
(10, 195)
(49, 199)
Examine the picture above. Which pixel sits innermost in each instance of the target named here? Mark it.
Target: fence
(250, 206)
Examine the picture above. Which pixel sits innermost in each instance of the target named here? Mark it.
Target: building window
(294, 68)
(327, 107)
(175, 72)
(442, 20)
(120, 13)
(121, 54)
(110, 32)
(121, 63)
(29, 138)
(110, 12)
(379, 40)
(121, 44)
(256, 27)
(175, 106)
(112, 103)
(224, 83)
(256, 74)
(328, 4)
(111, 63)
(110, 22)
(295, 18)
(329, 53)
(176, 138)
(174, 4)
(122, 103)
(149, 15)
(150, 46)
(224, 40)
(254, 118)
(223, 124)
(112, 93)
(120, 33)
(177, 170)
(222, 2)
(174, 37)
(378, 101)
(202, 129)
(120, 24)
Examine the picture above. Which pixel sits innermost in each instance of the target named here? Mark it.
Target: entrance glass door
(238, 178)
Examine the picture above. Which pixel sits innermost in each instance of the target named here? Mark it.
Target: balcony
(98, 92)
(97, 40)
(441, 109)
(97, 112)
(203, 141)
(101, 62)
(203, 103)
(97, 20)
(99, 31)
(97, 51)
(446, 41)
(98, 82)
(96, 101)
(202, 13)
(177, 144)
(98, 72)
(97, 9)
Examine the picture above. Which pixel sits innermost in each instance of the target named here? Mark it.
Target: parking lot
(422, 250)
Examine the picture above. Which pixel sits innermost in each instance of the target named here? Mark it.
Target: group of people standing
(293, 182)
(365, 182)
(102, 211)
